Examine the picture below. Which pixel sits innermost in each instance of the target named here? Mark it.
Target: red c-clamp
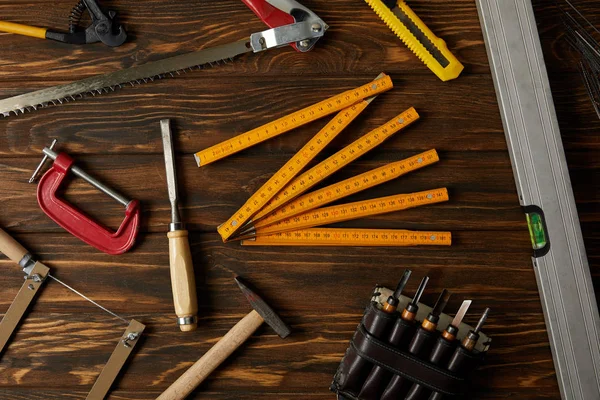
(74, 220)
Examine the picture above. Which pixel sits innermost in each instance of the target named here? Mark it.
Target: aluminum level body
(542, 177)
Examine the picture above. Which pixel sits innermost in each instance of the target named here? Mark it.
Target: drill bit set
(404, 349)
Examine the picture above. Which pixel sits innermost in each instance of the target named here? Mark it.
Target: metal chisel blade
(462, 311)
(167, 139)
(135, 75)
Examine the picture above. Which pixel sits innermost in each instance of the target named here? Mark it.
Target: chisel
(379, 377)
(442, 350)
(183, 281)
(458, 359)
(419, 342)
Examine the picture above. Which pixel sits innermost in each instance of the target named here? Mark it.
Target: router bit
(183, 281)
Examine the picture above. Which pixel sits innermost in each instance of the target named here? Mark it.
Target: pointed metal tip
(197, 160)
(482, 320)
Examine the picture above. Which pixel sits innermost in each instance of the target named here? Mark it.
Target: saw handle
(198, 372)
(271, 15)
(11, 248)
(183, 281)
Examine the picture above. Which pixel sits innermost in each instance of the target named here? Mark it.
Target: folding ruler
(545, 192)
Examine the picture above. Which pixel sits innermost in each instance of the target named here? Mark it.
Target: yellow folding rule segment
(292, 121)
(339, 160)
(292, 168)
(347, 187)
(356, 210)
(352, 237)
(429, 48)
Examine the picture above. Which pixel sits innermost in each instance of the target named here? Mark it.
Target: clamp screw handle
(42, 163)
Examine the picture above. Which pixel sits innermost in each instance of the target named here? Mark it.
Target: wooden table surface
(61, 347)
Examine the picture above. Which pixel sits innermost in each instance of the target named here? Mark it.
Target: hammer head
(263, 309)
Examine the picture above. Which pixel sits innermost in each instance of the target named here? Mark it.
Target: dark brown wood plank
(212, 194)
(65, 341)
(134, 287)
(210, 109)
(357, 35)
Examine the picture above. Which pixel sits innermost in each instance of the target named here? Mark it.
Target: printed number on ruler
(352, 237)
(292, 121)
(292, 168)
(340, 159)
(352, 185)
(356, 210)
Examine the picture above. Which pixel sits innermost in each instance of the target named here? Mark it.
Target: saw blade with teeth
(95, 85)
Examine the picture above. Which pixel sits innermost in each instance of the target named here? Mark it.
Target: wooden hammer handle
(10, 247)
(198, 372)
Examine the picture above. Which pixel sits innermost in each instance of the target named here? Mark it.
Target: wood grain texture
(65, 341)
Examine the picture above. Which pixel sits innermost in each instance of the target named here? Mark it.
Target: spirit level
(352, 237)
(293, 121)
(545, 192)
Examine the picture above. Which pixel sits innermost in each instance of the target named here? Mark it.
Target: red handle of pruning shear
(271, 15)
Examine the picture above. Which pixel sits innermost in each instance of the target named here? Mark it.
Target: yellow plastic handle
(448, 72)
(21, 29)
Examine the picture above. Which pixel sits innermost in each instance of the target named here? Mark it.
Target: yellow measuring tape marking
(352, 185)
(292, 121)
(292, 168)
(352, 237)
(359, 209)
(314, 175)
(340, 159)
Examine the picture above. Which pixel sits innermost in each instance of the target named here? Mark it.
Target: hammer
(233, 339)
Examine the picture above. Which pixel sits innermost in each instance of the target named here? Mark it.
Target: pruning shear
(103, 28)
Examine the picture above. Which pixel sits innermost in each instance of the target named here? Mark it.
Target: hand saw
(290, 22)
(36, 274)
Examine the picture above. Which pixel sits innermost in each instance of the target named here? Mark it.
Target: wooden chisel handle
(198, 372)
(183, 281)
(11, 248)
